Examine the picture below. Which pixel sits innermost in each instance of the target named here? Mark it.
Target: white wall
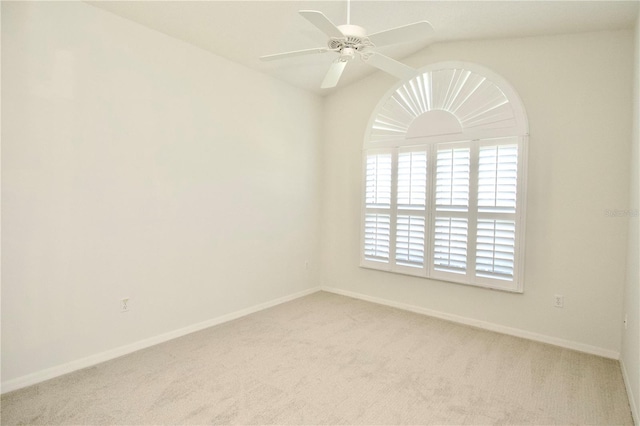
(576, 90)
(135, 165)
(630, 356)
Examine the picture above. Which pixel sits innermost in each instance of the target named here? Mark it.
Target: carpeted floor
(329, 359)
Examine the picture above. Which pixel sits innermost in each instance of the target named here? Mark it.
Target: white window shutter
(377, 232)
(452, 179)
(378, 181)
(497, 197)
(495, 249)
(410, 239)
(377, 218)
(450, 245)
(498, 178)
(412, 180)
(451, 225)
(411, 209)
(445, 184)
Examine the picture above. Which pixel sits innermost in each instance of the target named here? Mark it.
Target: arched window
(444, 184)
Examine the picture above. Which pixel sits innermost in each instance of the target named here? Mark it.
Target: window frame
(474, 138)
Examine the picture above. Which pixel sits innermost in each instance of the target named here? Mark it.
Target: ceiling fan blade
(415, 31)
(333, 75)
(322, 23)
(294, 53)
(390, 66)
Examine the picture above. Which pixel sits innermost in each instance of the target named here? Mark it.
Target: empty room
(320, 212)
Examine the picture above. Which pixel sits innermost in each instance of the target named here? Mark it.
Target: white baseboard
(632, 397)
(59, 370)
(581, 347)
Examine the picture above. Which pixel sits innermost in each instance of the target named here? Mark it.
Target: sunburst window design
(447, 101)
(446, 152)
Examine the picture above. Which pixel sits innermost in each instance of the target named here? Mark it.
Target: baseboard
(568, 344)
(52, 372)
(632, 399)
(69, 367)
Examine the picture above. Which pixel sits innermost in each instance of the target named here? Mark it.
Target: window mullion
(430, 209)
(427, 213)
(473, 210)
(393, 209)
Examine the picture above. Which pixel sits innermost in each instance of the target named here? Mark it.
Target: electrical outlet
(626, 321)
(558, 301)
(124, 305)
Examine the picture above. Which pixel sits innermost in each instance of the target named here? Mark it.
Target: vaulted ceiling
(242, 31)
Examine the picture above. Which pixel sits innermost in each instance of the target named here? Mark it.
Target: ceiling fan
(350, 41)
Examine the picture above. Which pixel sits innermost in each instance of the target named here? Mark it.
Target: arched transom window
(444, 179)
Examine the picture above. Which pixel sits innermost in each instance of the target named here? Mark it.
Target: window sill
(405, 271)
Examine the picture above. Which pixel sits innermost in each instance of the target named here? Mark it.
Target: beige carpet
(328, 359)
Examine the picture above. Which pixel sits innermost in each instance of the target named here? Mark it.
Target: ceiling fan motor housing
(355, 38)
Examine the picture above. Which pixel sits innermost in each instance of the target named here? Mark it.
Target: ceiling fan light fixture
(347, 54)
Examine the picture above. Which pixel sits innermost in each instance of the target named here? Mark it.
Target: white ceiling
(242, 30)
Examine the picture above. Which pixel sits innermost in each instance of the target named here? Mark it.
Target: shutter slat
(410, 241)
(412, 180)
(378, 181)
(377, 231)
(497, 178)
(452, 179)
(450, 244)
(495, 249)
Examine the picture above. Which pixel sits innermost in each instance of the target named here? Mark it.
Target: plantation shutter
(497, 192)
(495, 248)
(411, 209)
(377, 220)
(377, 233)
(497, 178)
(444, 190)
(378, 181)
(451, 225)
(456, 222)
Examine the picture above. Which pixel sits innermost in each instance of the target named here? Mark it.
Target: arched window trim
(472, 138)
